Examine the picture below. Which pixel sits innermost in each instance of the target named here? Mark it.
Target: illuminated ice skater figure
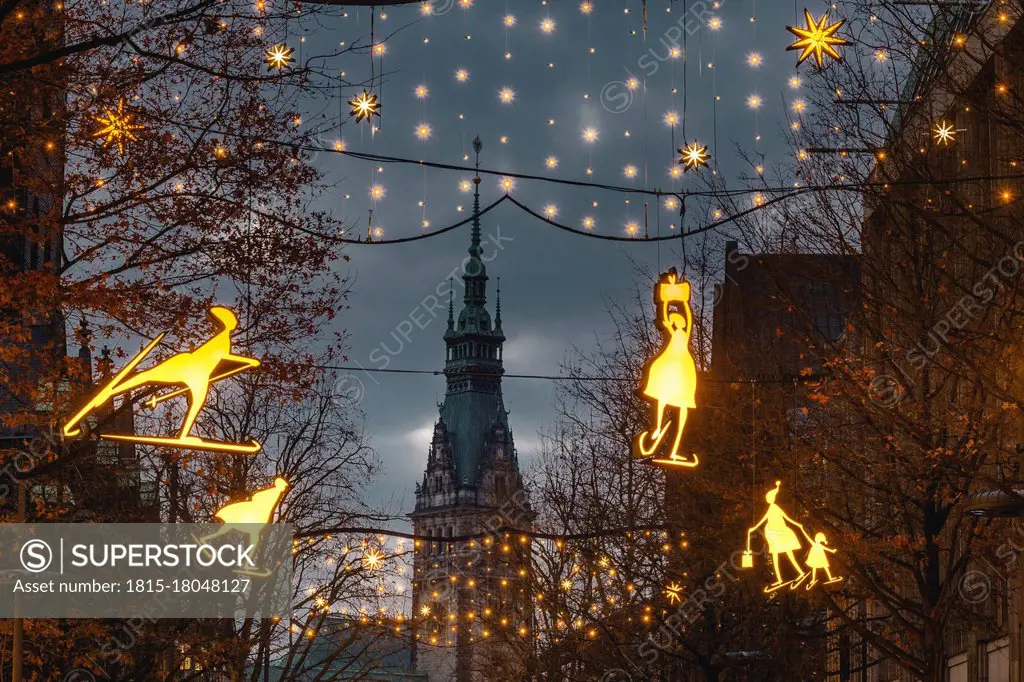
(670, 380)
(243, 516)
(817, 558)
(194, 371)
(781, 539)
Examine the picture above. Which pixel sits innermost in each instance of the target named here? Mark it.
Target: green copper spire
(473, 365)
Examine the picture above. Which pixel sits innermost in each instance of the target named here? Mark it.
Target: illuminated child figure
(671, 378)
(817, 558)
(781, 539)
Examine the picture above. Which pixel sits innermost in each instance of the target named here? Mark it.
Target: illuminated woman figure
(817, 558)
(781, 539)
(671, 378)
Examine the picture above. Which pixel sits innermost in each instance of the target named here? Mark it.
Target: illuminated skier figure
(781, 539)
(670, 380)
(194, 371)
(817, 558)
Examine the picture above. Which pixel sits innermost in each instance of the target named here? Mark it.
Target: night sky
(556, 287)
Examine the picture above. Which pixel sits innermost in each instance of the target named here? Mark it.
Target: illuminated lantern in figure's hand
(670, 379)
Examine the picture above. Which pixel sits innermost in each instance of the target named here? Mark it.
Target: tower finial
(474, 248)
(451, 304)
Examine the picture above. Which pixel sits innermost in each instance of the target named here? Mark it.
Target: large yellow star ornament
(944, 133)
(693, 156)
(364, 106)
(818, 39)
(279, 56)
(117, 127)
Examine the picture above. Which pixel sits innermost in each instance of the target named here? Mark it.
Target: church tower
(469, 595)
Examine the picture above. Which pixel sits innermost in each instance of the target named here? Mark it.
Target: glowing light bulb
(755, 60)
(629, 171)
(547, 25)
(590, 135)
(588, 222)
(377, 192)
(671, 203)
(551, 211)
(424, 131)
(462, 75)
(794, 82)
(510, 20)
(799, 105)
(551, 162)
(632, 227)
(506, 95)
(507, 184)
(715, 23)
(672, 118)
(755, 101)
(422, 91)
(465, 186)
(633, 83)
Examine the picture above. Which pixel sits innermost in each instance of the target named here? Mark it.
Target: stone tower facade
(469, 595)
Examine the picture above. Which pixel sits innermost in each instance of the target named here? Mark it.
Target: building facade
(465, 592)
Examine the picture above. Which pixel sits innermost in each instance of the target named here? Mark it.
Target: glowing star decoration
(670, 379)
(194, 371)
(424, 131)
(671, 118)
(590, 135)
(818, 38)
(117, 127)
(373, 559)
(551, 162)
(506, 95)
(755, 101)
(547, 25)
(279, 56)
(782, 539)
(944, 133)
(693, 156)
(462, 75)
(421, 92)
(364, 107)
(755, 60)
(674, 593)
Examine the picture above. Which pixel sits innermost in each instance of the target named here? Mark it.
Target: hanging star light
(364, 106)
(818, 39)
(117, 127)
(944, 133)
(693, 156)
(279, 56)
(674, 591)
